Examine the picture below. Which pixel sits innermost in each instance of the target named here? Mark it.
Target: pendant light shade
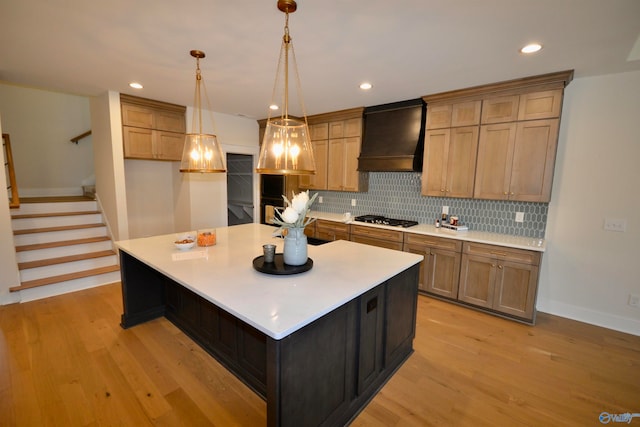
(286, 148)
(201, 152)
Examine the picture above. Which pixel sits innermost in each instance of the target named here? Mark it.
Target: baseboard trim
(592, 317)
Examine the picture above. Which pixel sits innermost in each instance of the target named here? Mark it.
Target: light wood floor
(65, 361)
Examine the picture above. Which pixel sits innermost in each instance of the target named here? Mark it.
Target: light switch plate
(353, 202)
(445, 210)
(320, 199)
(615, 224)
(519, 216)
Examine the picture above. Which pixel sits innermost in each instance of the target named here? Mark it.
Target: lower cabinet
(331, 230)
(439, 272)
(381, 237)
(501, 279)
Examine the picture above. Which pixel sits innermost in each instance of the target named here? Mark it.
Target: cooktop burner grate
(379, 219)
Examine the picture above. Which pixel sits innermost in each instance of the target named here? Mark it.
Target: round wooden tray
(278, 266)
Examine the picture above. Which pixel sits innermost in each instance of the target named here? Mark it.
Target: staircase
(61, 246)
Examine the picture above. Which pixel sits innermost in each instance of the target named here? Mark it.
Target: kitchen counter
(275, 305)
(316, 345)
(517, 242)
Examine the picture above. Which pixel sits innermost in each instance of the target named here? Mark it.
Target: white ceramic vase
(295, 247)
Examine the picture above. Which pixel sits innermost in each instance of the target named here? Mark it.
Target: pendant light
(286, 147)
(201, 152)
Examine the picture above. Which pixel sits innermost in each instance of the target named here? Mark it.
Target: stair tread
(60, 243)
(58, 228)
(53, 214)
(64, 259)
(64, 277)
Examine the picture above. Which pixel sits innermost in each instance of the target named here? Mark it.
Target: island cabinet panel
(322, 374)
(143, 296)
(325, 372)
(370, 362)
(238, 346)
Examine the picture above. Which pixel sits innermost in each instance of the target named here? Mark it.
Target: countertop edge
(506, 240)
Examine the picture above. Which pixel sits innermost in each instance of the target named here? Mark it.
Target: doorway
(239, 188)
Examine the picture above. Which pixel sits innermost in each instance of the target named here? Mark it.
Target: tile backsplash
(397, 195)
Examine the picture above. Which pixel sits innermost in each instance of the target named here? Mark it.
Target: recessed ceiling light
(135, 85)
(531, 48)
(365, 86)
(273, 107)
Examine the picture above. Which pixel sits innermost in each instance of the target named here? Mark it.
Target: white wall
(10, 275)
(41, 124)
(111, 191)
(588, 273)
(207, 193)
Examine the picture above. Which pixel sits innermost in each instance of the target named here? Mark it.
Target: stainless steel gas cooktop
(378, 219)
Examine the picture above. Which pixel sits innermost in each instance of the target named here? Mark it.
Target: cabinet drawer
(372, 241)
(439, 116)
(377, 233)
(502, 253)
(331, 230)
(434, 242)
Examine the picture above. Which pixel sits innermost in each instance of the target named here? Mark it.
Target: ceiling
(406, 48)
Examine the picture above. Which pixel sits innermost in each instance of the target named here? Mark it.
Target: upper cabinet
(152, 130)
(494, 141)
(336, 139)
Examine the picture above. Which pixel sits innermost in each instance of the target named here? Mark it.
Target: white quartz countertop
(518, 242)
(275, 305)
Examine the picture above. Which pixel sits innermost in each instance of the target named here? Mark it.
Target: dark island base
(321, 375)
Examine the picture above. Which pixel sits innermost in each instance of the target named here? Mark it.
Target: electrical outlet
(320, 200)
(615, 224)
(353, 202)
(634, 300)
(519, 216)
(445, 210)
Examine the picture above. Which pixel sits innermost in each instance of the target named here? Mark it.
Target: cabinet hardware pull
(493, 265)
(499, 253)
(442, 190)
(500, 267)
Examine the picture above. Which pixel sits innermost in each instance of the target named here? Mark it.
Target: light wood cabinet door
(466, 113)
(319, 131)
(443, 271)
(516, 285)
(477, 280)
(138, 143)
(450, 162)
(319, 180)
(495, 156)
(461, 162)
(500, 110)
(350, 172)
(336, 164)
(137, 116)
(439, 116)
(440, 269)
(168, 145)
(534, 160)
(169, 121)
(434, 169)
(540, 105)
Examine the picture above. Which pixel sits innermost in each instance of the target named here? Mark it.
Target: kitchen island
(316, 345)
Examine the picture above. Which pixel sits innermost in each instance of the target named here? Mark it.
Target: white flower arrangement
(295, 213)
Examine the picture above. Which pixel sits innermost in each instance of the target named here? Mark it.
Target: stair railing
(75, 139)
(12, 187)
